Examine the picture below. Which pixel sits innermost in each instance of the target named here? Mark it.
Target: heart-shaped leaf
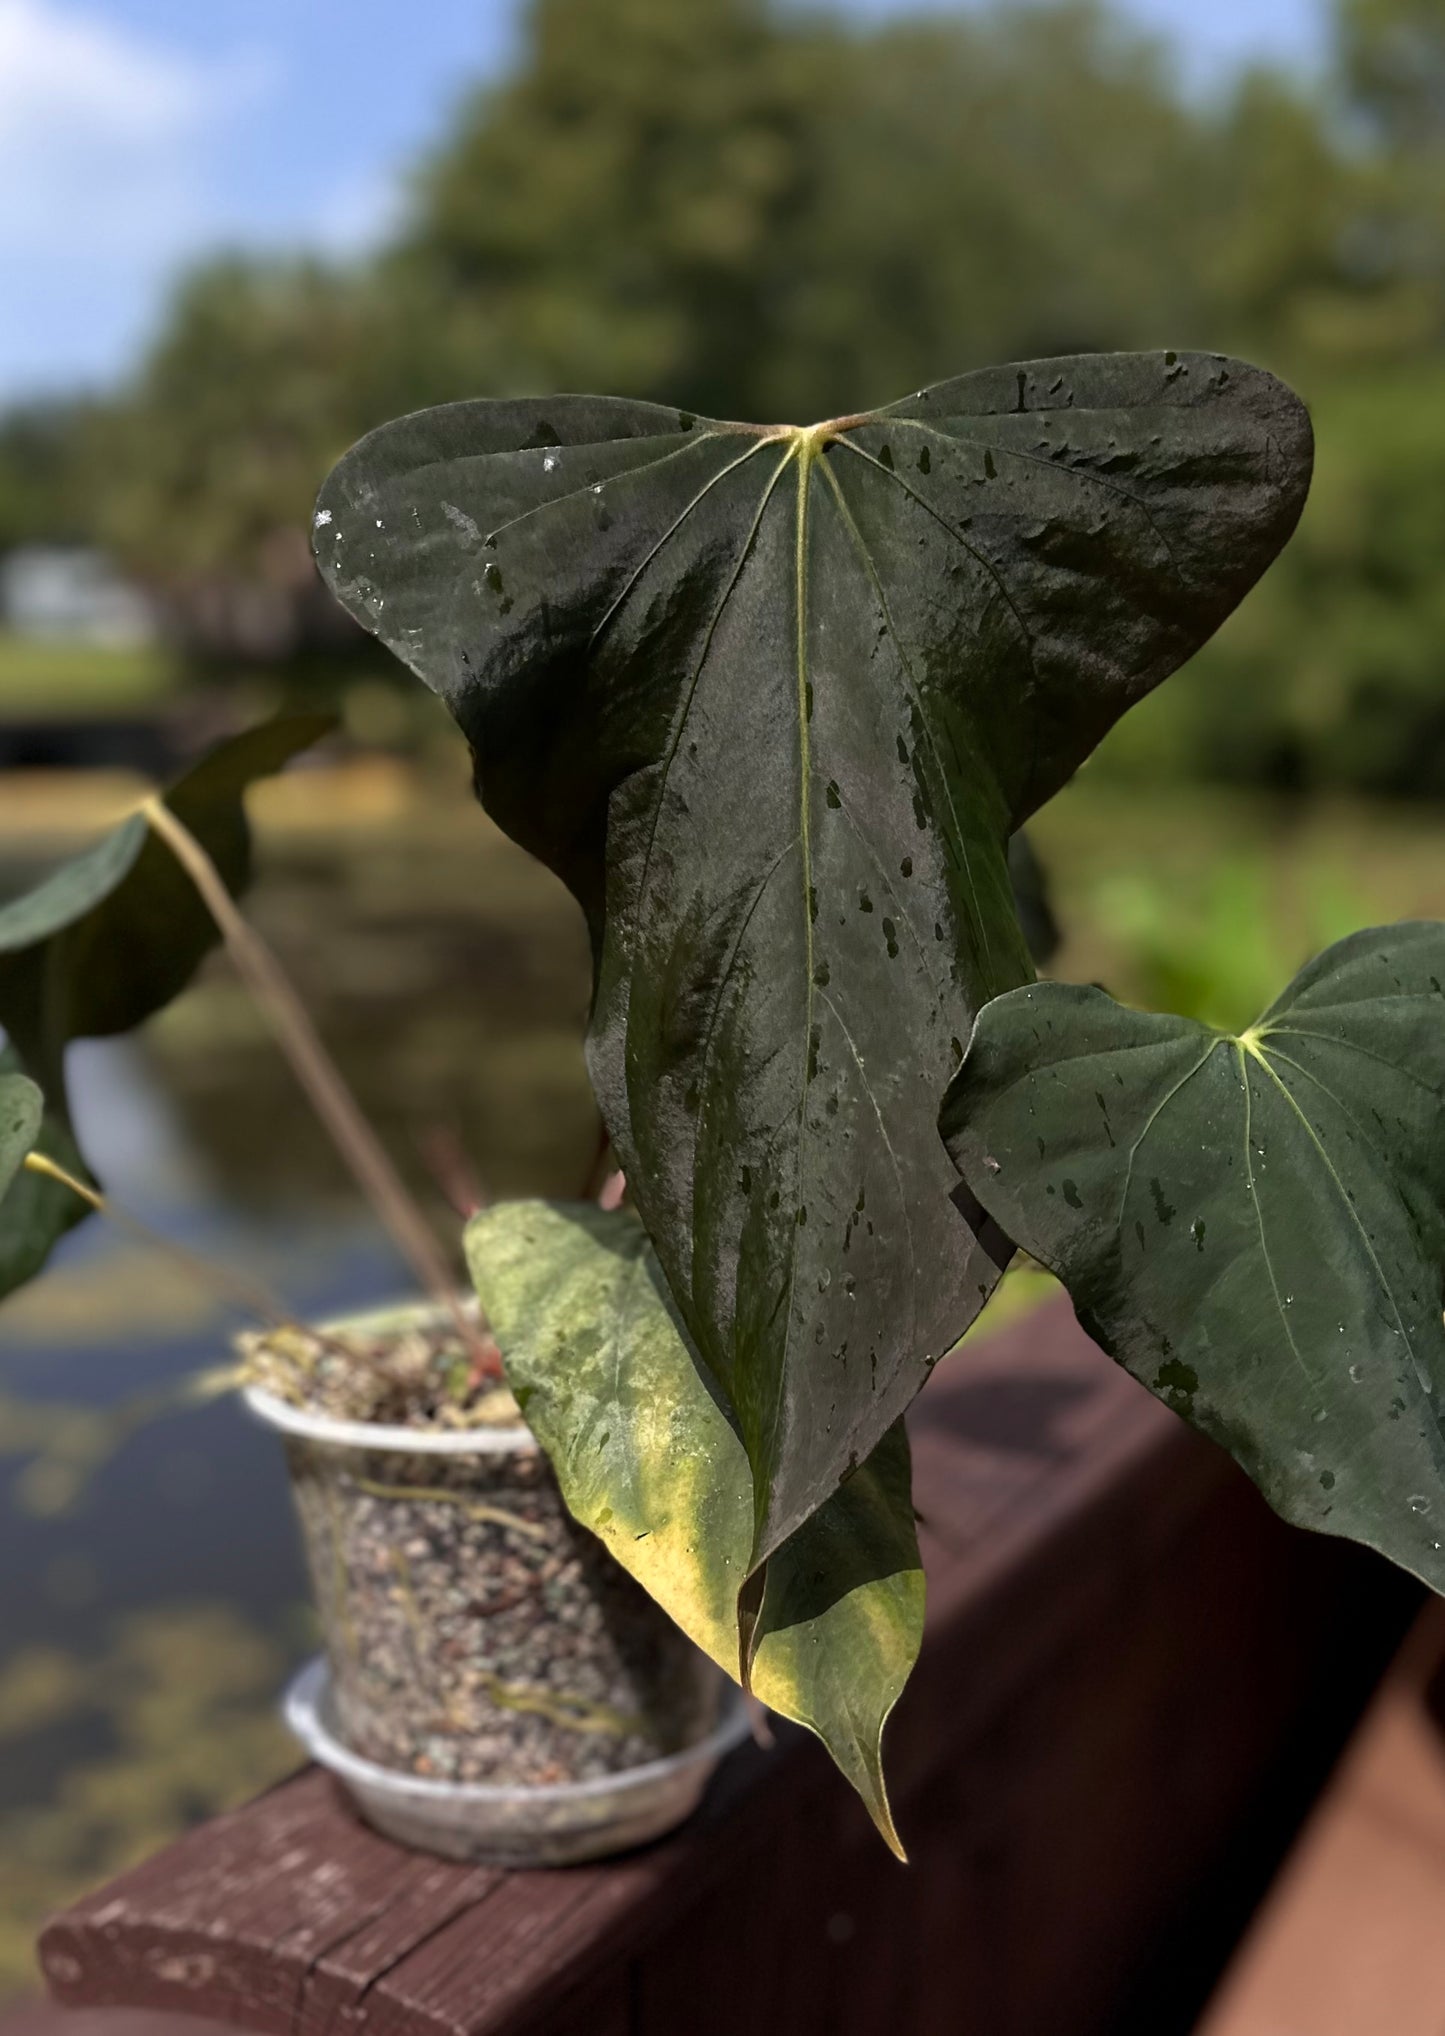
(1253, 1225)
(649, 1460)
(106, 940)
(771, 701)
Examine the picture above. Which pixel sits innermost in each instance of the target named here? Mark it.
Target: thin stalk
(253, 1297)
(317, 1073)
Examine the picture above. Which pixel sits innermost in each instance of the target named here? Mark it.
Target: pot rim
(304, 1710)
(314, 1426)
(275, 1412)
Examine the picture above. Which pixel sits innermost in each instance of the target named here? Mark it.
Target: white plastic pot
(482, 1649)
(560, 1825)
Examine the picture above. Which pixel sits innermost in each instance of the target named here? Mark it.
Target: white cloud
(357, 215)
(103, 135)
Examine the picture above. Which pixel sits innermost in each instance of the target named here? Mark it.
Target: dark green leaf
(771, 702)
(1253, 1225)
(106, 940)
(648, 1459)
(34, 1212)
(118, 931)
(21, 1108)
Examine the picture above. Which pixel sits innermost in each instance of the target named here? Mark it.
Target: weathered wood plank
(42, 2018)
(1119, 1638)
(1352, 1939)
(234, 1920)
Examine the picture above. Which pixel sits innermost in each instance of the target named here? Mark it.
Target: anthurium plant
(773, 701)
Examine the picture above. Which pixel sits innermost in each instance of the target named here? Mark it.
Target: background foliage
(821, 216)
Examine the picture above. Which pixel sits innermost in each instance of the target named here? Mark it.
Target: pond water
(151, 1592)
(152, 1597)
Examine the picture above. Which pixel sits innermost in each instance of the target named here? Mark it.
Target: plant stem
(254, 1297)
(317, 1073)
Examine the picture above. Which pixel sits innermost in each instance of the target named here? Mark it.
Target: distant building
(72, 594)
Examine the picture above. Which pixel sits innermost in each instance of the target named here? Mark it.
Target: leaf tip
(875, 1801)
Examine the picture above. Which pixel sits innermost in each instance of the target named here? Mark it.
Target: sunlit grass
(56, 679)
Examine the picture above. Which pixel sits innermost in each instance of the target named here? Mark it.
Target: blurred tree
(751, 208)
(1333, 671)
(1279, 196)
(625, 209)
(1391, 56)
(207, 470)
(987, 187)
(42, 494)
(1392, 53)
(815, 218)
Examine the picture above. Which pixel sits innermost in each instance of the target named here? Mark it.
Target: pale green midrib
(1245, 1053)
(807, 453)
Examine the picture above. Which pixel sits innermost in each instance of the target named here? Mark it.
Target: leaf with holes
(771, 700)
(649, 1460)
(106, 940)
(1253, 1225)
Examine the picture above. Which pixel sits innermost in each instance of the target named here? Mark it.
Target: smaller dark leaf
(109, 938)
(118, 931)
(21, 1109)
(34, 1212)
(1253, 1225)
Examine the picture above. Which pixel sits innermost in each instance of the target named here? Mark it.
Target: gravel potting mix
(475, 1632)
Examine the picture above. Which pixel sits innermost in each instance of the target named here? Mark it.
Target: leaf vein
(871, 567)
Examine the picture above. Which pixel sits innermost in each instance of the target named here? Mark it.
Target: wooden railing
(1133, 1675)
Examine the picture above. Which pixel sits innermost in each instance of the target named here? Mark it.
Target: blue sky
(136, 133)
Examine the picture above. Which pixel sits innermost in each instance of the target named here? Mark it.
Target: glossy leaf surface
(648, 1459)
(1253, 1225)
(771, 701)
(106, 940)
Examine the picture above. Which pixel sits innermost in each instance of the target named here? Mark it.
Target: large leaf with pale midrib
(107, 939)
(771, 702)
(1253, 1225)
(648, 1459)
